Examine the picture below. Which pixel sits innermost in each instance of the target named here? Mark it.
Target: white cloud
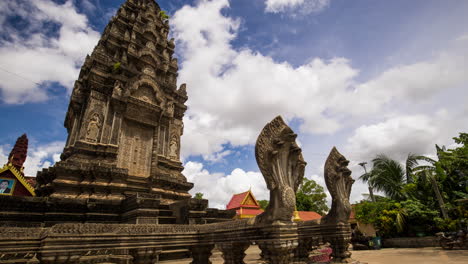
(398, 136)
(218, 188)
(415, 83)
(232, 94)
(39, 156)
(38, 54)
(296, 6)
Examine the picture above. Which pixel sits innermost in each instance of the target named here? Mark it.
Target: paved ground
(383, 256)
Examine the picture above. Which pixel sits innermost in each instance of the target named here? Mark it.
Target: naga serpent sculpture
(282, 165)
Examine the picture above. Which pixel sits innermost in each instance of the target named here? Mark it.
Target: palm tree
(427, 174)
(389, 176)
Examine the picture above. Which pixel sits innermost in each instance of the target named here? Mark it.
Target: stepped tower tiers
(124, 121)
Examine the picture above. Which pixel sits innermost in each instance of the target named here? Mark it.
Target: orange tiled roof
(236, 200)
(307, 216)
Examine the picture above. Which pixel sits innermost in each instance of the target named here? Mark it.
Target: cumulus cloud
(49, 48)
(399, 136)
(234, 93)
(39, 156)
(296, 6)
(218, 188)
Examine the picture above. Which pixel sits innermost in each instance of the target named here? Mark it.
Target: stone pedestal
(233, 252)
(339, 237)
(201, 253)
(277, 251)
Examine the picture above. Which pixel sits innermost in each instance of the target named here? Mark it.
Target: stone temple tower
(124, 121)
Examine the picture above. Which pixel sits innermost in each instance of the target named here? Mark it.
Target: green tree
(198, 195)
(389, 176)
(447, 176)
(263, 204)
(311, 197)
(164, 16)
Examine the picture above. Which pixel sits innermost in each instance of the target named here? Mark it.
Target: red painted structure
(246, 206)
(12, 172)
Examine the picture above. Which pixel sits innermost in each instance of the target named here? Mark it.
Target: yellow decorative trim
(253, 198)
(18, 176)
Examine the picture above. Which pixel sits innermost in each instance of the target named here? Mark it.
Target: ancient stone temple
(118, 194)
(121, 162)
(125, 116)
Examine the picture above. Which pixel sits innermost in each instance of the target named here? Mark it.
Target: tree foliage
(198, 195)
(414, 191)
(311, 197)
(263, 204)
(164, 16)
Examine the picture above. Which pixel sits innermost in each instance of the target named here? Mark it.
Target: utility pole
(371, 191)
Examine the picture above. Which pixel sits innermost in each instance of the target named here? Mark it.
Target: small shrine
(12, 179)
(246, 206)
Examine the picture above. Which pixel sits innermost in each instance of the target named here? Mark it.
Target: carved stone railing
(280, 240)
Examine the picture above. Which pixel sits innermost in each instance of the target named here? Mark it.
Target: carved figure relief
(94, 126)
(132, 48)
(166, 55)
(149, 71)
(170, 109)
(150, 45)
(118, 88)
(174, 63)
(282, 165)
(133, 35)
(174, 148)
(146, 94)
(127, 35)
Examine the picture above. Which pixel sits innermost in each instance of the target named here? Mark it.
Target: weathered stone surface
(335, 228)
(338, 180)
(282, 165)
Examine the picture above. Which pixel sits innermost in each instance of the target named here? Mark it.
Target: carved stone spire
(125, 110)
(19, 152)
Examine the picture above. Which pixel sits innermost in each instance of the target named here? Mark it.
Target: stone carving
(145, 94)
(132, 48)
(124, 57)
(170, 108)
(127, 35)
(174, 148)
(118, 88)
(133, 34)
(94, 126)
(282, 165)
(334, 226)
(182, 90)
(166, 55)
(174, 63)
(135, 149)
(339, 182)
(150, 45)
(149, 71)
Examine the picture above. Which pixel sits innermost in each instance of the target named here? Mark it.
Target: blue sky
(366, 76)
